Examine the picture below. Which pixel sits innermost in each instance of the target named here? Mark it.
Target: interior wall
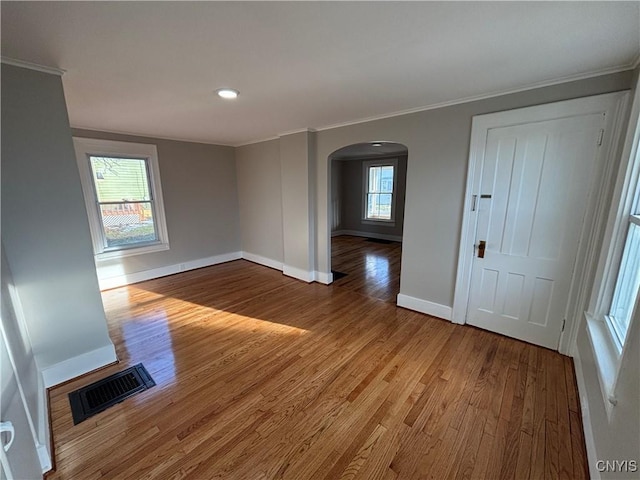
(297, 173)
(200, 195)
(438, 145)
(352, 198)
(337, 222)
(45, 231)
(260, 201)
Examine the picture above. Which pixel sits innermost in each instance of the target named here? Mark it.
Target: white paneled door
(534, 186)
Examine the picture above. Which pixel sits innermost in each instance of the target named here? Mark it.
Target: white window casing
(615, 280)
(86, 148)
(366, 166)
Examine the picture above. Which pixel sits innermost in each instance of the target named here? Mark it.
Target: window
(614, 299)
(380, 183)
(121, 185)
(625, 276)
(626, 289)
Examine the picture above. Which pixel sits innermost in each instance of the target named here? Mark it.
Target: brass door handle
(481, 247)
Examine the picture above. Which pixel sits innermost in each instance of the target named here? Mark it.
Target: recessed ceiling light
(376, 144)
(227, 93)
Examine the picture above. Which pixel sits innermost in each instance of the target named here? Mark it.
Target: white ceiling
(151, 68)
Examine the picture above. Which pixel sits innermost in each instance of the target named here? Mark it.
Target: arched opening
(367, 198)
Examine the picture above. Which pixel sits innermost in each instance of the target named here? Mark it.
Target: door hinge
(600, 136)
(564, 320)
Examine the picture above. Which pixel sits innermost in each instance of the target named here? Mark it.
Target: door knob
(481, 247)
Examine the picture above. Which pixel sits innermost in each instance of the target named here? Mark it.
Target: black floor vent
(337, 275)
(97, 397)
(378, 240)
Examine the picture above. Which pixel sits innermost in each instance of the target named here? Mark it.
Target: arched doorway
(367, 196)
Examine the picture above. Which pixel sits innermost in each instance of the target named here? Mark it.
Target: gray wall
(297, 169)
(45, 231)
(200, 202)
(438, 145)
(335, 196)
(260, 199)
(351, 198)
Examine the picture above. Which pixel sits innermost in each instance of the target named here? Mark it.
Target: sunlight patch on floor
(377, 266)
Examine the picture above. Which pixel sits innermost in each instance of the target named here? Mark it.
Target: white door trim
(613, 105)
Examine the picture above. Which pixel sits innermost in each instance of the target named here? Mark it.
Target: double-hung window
(380, 185)
(123, 195)
(625, 293)
(614, 305)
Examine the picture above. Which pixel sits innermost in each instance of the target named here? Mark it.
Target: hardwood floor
(373, 269)
(260, 376)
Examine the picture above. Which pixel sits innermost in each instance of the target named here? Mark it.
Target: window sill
(606, 357)
(130, 252)
(386, 223)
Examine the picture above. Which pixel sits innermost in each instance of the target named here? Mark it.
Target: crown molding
(300, 130)
(33, 66)
(571, 78)
(254, 142)
(280, 135)
(558, 81)
(499, 93)
(151, 136)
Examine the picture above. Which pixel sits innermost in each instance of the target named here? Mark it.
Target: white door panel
(534, 189)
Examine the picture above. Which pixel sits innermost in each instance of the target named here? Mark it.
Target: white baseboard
(76, 366)
(424, 306)
(320, 277)
(43, 438)
(356, 233)
(589, 440)
(304, 275)
(107, 280)
(43, 456)
(208, 261)
(325, 278)
(260, 260)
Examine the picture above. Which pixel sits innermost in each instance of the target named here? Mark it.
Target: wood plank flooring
(260, 376)
(372, 269)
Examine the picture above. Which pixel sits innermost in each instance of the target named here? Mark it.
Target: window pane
(384, 206)
(372, 205)
(626, 291)
(128, 224)
(120, 179)
(379, 206)
(386, 179)
(374, 179)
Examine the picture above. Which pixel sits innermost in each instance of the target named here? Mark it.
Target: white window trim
(90, 146)
(365, 187)
(607, 349)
